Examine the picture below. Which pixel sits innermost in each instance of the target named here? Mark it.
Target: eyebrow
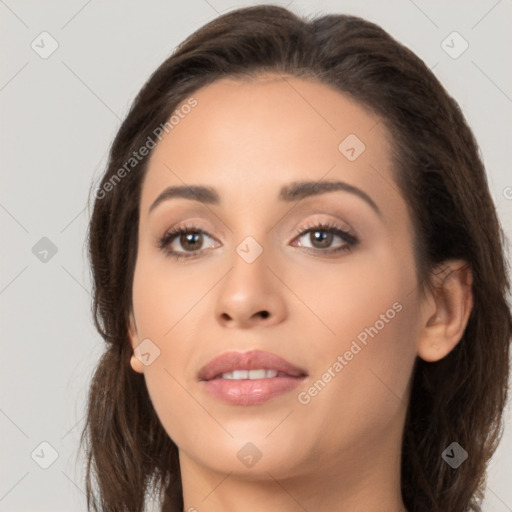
(293, 192)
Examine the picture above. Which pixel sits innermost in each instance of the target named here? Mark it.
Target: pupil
(189, 238)
(324, 238)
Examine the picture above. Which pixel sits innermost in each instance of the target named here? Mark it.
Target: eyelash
(328, 227)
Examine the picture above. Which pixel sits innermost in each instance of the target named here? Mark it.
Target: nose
(236, 317)
(250, 295)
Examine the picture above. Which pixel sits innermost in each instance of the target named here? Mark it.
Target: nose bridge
(249, 264)
(250, 290)
(255, 235)
(250, 231)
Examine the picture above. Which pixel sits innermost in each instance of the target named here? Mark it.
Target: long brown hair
(442, 178)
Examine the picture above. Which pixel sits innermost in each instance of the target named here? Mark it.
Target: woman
(336, 335)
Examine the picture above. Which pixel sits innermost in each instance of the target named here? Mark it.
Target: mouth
(249, 378)
(260, 373)
(254, 364)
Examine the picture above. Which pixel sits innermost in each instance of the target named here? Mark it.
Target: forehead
(247, 135)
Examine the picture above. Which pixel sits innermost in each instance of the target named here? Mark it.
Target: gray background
(59, 116)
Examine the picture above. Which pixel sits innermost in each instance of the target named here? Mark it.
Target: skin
(341, 450)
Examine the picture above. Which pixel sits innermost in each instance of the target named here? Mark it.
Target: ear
(135, 363)
(445, 309)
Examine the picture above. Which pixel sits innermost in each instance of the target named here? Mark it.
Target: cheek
(361, 388)
(370, 311)
(166, 299)
(167, 310)
(365, 291)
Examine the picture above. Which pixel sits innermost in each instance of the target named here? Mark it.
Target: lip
(249, 391)
(251, 360)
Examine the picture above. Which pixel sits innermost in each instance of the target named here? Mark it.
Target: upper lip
(251, 360)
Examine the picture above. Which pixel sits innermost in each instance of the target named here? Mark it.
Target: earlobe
(451, 301)
(135, 363)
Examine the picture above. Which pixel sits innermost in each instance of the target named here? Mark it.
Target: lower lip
(250, 391)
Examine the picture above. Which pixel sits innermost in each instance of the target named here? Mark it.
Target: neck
(364, 479)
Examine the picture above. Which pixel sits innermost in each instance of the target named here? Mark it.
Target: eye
(189, 237)
(321, 237)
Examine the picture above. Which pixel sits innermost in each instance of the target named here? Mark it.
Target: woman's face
(342, 308)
